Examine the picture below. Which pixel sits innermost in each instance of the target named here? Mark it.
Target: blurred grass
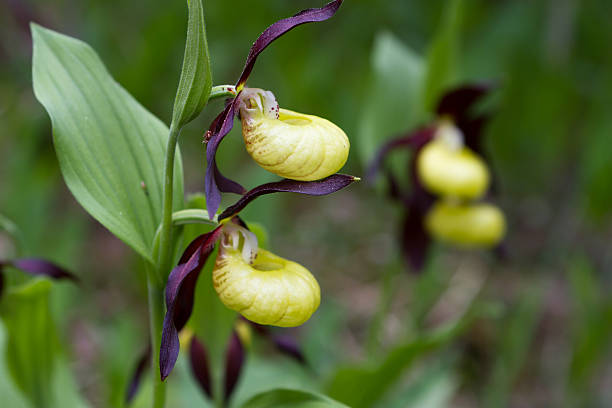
(549, 143)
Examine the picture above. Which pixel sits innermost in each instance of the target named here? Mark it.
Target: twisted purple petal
(214, 181)
(281, 27)
(325, 186)
(179, 296)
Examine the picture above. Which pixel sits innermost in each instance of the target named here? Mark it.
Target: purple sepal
(198, 357)
(459, 101)
(415, 140)
(415, 240)
(325, 186)
(39, 267)
(1, 280)
(214, 181)
(179, 296)
(281, 27)
(234, 360)
(287, 345)
(141, 367)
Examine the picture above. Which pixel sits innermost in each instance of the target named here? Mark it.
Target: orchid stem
(156, 317)
(157, 278)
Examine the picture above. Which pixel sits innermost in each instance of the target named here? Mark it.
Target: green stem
(156, 318)
(157, 277)
(387, 291)
(165, 236)
(163, 250)
(221, 91)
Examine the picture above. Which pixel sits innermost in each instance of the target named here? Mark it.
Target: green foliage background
(547, 338)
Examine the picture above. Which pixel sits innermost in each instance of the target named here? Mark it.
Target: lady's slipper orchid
(311, 161)
(183, 278)
(448, 160)
(263, 287)
(467, 225)
(446, 167)
(290, 144)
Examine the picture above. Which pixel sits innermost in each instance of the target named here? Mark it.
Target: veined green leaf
(110, 148)
(31, 347)
(196, 79)
(443, 54)
(283, 398)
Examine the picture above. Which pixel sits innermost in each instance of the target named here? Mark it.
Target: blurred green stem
(387, 291)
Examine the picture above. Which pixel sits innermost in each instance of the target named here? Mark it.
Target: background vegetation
(533, 329)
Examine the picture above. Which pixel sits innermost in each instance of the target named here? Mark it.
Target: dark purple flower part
(179, 296)
(283, 343)
(325, 186)
(198, 357)
(36, 267)
(234, 360)
(459, 101)
(281, 27)
(40, 267)
(139, 371)
(287, 345)
(415, 240)
(414, 140)
(214, 181)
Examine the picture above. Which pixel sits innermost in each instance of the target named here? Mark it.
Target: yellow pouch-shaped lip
(468, 225)
(271, 290)
(452, 171)
(291, 144)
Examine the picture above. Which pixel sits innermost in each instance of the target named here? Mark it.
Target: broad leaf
(196, 79)
(283, 398)
(363, 385)
(31, 348)
(392, 104)
(110, 148)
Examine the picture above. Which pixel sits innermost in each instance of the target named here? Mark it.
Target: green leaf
(31, 346)
(110, 149)
(363, 385)
(443, 54)
(515, 338)
(11, 229)
(196, 79)
(284, 398)
(392, 102)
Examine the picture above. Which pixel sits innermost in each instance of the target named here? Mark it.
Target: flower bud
(266, 288)
(469, 225)
(446, 167)
(290, 144)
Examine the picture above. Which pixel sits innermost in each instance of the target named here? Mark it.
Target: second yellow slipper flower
(263, 287)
